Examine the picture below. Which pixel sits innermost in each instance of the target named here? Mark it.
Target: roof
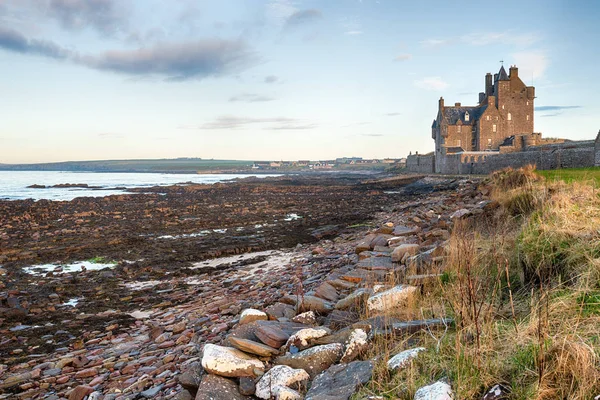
(502, 75)
(434, 125)
(454, 149)
(454, 114)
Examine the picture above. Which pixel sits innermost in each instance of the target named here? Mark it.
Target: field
(591, 174)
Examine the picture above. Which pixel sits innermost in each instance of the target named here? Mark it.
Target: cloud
(291, 126)
(353, 33)
(271, 79)
(431, 83)
(486, 39)
(106, 16)
(250, 98)
(14, 41)
(435, 42)
(372, 134)
(555, 108)
(176, 61)
(403, 57)
(551, 115)
(276, 123)
(532, 64)
(302, 17)
(393, 114)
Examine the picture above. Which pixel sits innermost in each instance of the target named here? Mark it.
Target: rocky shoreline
(268, 324)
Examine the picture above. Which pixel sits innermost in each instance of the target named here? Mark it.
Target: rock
(379, 240)
(341, 381)
(498, 392)
(14, 380)
(307, 318)
(215, 387)
(376, 263)
(272, 336)
(80, 392)
(152, 392)
(247, 386)
(354, 300)
(285, 393)
(436, 391)
(357, 344)
(360, 275)
(280, 375)
(229, 362)
(341, 284)
(251, 315)
(252, 347)
(327, 292)
(405, 231)
(316, 304)
(314, 360)
(301, 339)
(191, 378)
(399, 252)
(390, 299)
(403, 358)
(281, 310)
(339, 319)
(459, 214)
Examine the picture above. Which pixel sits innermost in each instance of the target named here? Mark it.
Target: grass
(523, 286)
(570, 175)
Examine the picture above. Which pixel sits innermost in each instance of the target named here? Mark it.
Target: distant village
(328, 164)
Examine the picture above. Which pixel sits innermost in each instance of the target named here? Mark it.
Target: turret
(488, 84)
(513, 72)
(441, 104)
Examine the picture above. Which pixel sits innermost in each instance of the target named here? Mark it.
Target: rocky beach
(265, 289)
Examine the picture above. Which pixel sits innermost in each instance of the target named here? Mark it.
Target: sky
(277, 79)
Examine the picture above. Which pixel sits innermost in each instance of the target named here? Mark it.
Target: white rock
(401, 359)
(399, 252)
(458, 214)
(437, 391)
(308, 318)
(392, 298)
(285, 393)
(230, 362)
(357, 343)
(280, 376)
(302, 338)
(251, 315)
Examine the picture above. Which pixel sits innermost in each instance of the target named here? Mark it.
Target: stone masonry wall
(422, 164)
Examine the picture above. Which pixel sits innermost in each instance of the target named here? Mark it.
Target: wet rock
(229, 362)
(253, 347)
(403, 358)
(215, 387)
(280, 375)
(314, 360)
(251, 315)
(357, 344)
(399, 252)
(395, 297)
(436, 391)
(341, 381)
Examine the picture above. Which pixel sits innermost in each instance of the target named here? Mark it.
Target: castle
(496, 133)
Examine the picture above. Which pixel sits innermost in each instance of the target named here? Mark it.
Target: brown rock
(80, 392)
(272, 336)
(327, 292)
(252, 347)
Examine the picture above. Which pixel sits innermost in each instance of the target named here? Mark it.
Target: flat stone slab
(354, 300)
(395, 297)
(341, 381)
(314, 360)
(230, 362)
(360, 275)
(252, 347)
(376, 263)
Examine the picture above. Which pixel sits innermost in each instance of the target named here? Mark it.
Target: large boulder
(230, 362)
(314, 360)
(355, 299)
(357, 343)
(303, 338)
(393, 298)
(436, 391)
(280, 375)
(341, 381)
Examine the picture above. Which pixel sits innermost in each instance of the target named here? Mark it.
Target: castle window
(509, 117)
(458, 143)
(466, 116)
(528, 118)
(459, 129)
(503, 106)
(527, 103)
(494, 128)
(487, 118)
(489, 143)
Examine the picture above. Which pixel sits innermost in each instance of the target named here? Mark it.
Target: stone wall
(422, 164)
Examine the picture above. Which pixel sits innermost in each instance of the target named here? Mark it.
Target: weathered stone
(314, 360)
(379, 240)
(272, 336)
(152, 392)
(460, 214)
(339, 319)
(395, 297)
(280, 375)
(327, 292)
(252, 347)
(190, 379)
(80, 392)
(357, 343)
(302, 339)
(307, 318)
(229, 362)
(399, 252)
(281, 310)
(215, 387)
(341, 381)
(403, 358)
(360, 275)
(316, 304)
(341, 284)
(251, 315)
(376, 263)
(247, 386)
(405, 231)
(14, 380)
(436, 391)
(354, 300)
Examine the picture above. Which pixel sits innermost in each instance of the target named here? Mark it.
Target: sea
(14, 184)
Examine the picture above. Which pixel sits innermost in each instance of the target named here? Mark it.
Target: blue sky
(277, 79)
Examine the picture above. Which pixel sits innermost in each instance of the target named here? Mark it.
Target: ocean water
(13, 184)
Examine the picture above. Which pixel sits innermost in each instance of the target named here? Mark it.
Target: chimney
(513, 72)
(488, 84)
(456, 104)
(481, 97)
(441, 104)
